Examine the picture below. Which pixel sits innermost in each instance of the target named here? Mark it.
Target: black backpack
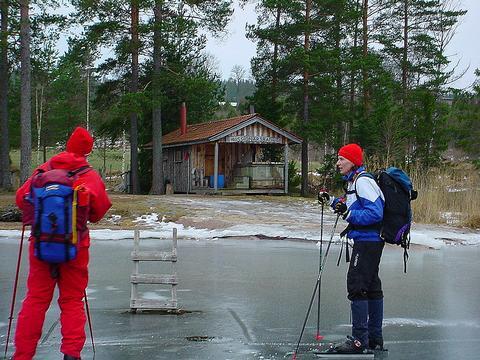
(398, 191)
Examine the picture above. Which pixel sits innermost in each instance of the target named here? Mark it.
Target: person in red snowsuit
(72, 276)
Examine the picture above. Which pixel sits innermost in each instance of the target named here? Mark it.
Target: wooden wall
(241, 147)
(176, 167)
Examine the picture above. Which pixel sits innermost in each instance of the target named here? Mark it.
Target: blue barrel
(221, 181)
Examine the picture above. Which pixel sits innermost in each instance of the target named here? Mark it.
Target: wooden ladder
(168, 279)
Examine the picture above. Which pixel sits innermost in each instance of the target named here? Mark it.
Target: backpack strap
(362, 174)
(375, 226)
(405, 258)
(77, 235)
(81, 170)
(406, 246)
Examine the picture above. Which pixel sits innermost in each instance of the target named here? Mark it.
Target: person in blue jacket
(362, 207)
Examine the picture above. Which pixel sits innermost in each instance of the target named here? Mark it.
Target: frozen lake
(250, 298)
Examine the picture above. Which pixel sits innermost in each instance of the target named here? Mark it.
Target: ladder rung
(153, 279)
(153, 304)
(153, 256)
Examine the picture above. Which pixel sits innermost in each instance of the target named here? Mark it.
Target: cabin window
(178, 156)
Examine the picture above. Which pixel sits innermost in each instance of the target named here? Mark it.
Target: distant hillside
(234, 93)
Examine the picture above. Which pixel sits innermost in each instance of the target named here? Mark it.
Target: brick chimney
(183, 119)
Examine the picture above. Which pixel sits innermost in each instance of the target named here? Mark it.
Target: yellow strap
(74, 216)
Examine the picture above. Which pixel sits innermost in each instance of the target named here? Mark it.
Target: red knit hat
(353, 153)
(80, 142)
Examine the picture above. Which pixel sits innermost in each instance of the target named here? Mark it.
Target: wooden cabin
(227, 156)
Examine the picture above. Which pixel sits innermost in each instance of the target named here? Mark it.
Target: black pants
(363, 282)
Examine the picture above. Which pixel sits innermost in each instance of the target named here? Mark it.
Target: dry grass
(449, 195)
(129, 207)
(446, 195)
(7, 199)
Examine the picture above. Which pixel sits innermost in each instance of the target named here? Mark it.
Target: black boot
(68, 357)
(375, 344)
(350, 346)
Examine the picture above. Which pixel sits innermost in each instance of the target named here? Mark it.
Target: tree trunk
(366, 91)
(306, 75)
(25, 97)
(275, 57)
(157, 166)
(352, 73)
(105, 175)
(134, 177)
(405, 73)
(39, 119)
(342, 127)
(5, 180)
(405, 52)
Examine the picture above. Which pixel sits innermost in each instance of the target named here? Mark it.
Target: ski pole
(322, 266)
(89, 322)
(330, 243)
(320, 337)
(12, 307)
(341, 251)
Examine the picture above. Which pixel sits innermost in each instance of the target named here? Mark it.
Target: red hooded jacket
(99, 203)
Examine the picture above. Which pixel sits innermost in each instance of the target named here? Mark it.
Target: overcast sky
(236, 49)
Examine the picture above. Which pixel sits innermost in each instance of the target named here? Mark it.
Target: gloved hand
(340, 208)
(324, 198)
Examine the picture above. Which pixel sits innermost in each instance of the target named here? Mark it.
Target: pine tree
(414, 43)
(5, 180)
(25, 108)
(271, 35)
(464, 119)
(134, 53)
(157, 151)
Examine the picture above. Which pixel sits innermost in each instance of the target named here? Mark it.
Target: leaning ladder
(168, 279)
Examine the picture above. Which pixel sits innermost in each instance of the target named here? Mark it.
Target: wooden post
(136, 246)
(174, 268)
(285, 153)
(215, 172)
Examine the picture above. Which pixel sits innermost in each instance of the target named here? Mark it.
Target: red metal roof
(203, 131)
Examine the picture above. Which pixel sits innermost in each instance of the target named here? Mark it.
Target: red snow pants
(72, 282)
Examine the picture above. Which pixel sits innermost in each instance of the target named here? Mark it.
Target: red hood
(67, 160)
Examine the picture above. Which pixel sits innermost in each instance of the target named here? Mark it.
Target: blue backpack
(57, 217)
(397, 188)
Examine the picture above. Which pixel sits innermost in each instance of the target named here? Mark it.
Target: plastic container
(220, 183)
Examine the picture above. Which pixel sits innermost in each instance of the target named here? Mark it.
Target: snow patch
(296, 220)
(114, 219)
(451, 218)
(419, 323)
(148, 219)
(426, 323)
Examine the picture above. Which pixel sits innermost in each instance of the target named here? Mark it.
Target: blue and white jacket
(364, 206)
